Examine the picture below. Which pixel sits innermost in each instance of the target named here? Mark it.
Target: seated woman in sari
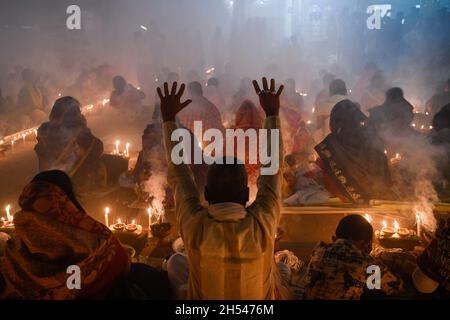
(125, 97)
(66, 143)
(352, 159)
(52, 233)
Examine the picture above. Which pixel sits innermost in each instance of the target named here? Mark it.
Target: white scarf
(227, 211)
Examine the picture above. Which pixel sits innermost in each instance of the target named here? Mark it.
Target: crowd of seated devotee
(229, 240)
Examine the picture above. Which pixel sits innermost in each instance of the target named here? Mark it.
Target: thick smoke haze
(286, 39)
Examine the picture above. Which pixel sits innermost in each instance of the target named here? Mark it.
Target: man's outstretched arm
(180, 177)
(269, 183)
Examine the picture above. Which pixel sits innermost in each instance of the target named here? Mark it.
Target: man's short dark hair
(394, 94)
(227, 182)
(195, 88)
(338, 86)
(119, 82)
(355, 228)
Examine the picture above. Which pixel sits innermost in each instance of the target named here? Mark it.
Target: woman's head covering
(67, 111)
(62, 180)
(348, 123)
(353, 155)
(52, 234)
(346, 115)
(247, 116)
(396, 113)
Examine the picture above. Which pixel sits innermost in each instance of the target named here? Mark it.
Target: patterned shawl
(51, 234)
(353, 156)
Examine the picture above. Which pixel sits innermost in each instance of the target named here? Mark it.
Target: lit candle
(133, 221)
(8, 213)
(127, 149)
(107, 216)
(105, 101)
(396, 228)
(117, 146)
(418, 224)
(119, 225)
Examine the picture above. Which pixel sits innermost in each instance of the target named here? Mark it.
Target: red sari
(51, 234)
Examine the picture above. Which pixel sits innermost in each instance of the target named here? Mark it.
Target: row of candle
(396, 231)
(125, 152)
(11, 139)
(9, 221)
(149, 213)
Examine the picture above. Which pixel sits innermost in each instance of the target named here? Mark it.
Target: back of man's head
(195, 88)
(119, 82)
(338, 87)
(394, 94)
(227, 182)
(355, 228)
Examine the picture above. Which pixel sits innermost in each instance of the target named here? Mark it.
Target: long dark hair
(62, 180)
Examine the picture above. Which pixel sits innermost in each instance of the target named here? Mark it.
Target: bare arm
(180, 177)
(269, 181)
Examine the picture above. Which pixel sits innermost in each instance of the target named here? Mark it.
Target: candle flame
(106, 210)
(133, 221)
(119, 221)
(396, 226)
(149, 211)
(418, 217)
(384, 224)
